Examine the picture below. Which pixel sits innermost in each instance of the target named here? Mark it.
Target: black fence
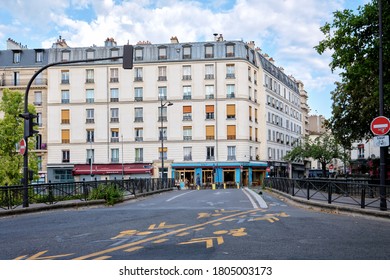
(343, 191)
(11, 197)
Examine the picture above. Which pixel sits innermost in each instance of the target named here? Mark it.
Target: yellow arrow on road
(208, 240)
(164, 226)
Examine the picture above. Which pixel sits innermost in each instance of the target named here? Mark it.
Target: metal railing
(355, 192)
(11, 197)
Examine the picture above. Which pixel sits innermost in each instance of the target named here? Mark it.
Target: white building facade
(231, 114)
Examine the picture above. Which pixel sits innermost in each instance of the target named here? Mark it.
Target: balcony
(114, 139)
(187, 97)
(186, 77)
(90, 121)
(187, 138)
(138, 98)
(138, 119)
(23, 82)
(139, 139)
(162, 78)
(114, 80)
(114, 120)
(209, 77)
(209, 96)
(114, 99)
(231, 157)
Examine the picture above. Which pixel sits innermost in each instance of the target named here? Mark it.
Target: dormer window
(139, 54)
(16, 57)
(65, 56)
(162, 53)
(90, 54)
(230, 50)
(114, 52)
(209, 51)
(38, 55)
(187, 52)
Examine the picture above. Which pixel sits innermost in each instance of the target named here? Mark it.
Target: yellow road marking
(103, 258)
(175, 232)
(134, 249)
(161, 241)
(164, 226)
(208, 240)
(38, 255)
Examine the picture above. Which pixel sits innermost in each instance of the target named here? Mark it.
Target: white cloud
(285, 29)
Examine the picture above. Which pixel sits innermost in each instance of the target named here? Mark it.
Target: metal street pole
(166, 104)
(383, 150)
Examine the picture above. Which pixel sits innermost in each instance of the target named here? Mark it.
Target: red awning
(106, 169)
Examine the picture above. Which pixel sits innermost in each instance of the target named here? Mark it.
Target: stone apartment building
(220, 110)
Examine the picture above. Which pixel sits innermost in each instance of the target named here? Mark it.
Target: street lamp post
(166, 104)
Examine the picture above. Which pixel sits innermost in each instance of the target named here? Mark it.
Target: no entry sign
(22, 147)
(380, 125)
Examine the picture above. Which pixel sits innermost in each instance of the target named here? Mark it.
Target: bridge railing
(350, 192)
(11, 197)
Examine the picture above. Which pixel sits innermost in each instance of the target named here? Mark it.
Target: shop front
(219, 174)
(111, 171)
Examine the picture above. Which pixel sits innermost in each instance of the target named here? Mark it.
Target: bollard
(224, 186)
(213, 186)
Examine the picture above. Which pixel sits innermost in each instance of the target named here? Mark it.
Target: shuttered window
(210, 132)
(231, 132)
(231, 111)
(65, 116)
(65, 136)
(187, 109)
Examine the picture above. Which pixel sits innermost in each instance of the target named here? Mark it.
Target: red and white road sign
(380, 125)
(22, 146)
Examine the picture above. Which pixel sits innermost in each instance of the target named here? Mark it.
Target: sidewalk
(332, 208)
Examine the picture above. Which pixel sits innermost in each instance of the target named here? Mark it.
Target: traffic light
(127, 57)
(29, 123)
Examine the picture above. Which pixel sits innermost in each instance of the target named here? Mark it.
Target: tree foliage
(354, 40)
(11, 132)
(323, 148)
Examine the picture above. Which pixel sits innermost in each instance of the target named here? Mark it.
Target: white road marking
(258, 198)
(172, 198)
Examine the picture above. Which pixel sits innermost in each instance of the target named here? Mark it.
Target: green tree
(353, 39)
(11, 132)
(323, 148)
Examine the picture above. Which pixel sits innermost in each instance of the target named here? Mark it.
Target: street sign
(381, 141)
(22, 146)
(380, 125)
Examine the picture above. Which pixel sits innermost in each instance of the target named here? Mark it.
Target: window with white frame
(209, 71)
(90, 96)
(187, 153)
(138, 94)
(138, 114)
(114, 94)
(231, 152)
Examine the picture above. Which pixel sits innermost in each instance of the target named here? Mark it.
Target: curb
(332, 207)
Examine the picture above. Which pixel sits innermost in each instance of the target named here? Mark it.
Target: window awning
(106, 169)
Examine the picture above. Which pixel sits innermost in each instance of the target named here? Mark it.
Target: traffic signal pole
(27, 116)
(383, 150)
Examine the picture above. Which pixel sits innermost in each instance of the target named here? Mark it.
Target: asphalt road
(200, 225)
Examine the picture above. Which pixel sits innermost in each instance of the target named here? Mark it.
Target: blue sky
(287, 30)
